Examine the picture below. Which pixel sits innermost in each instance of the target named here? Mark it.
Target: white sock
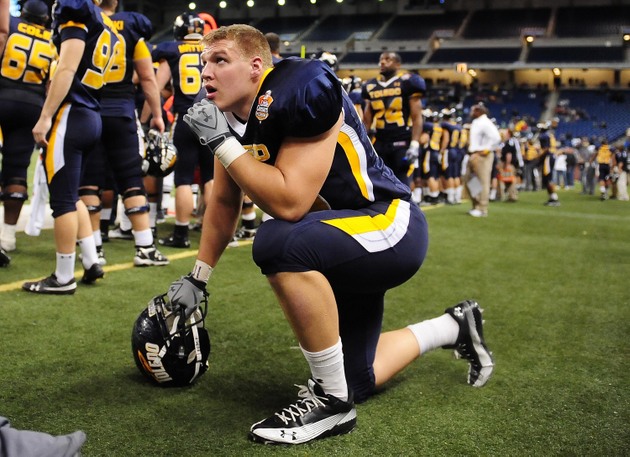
(450, 194)
(152, 214)
(458, 193)
(88, 251)
(125, 223)
(327, 370)
(248, 216)
(416, 195)
(8, 230)
(143, 238)
(98, 239)
(7, 240)
(435, 333)
(65, 267)
(106, 214)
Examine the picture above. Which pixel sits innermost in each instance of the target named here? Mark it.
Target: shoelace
(301, 407)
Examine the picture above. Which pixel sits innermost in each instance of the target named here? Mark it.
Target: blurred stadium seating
(495, 50)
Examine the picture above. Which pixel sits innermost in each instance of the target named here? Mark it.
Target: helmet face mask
(186, 24)
(160, 155)
(169, 350)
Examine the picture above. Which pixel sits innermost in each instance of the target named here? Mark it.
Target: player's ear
(257, 67)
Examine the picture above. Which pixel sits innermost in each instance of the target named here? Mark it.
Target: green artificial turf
(553, 283)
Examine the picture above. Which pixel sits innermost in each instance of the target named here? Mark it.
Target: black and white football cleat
(50, 285)
(5, 259)
(316, 415)
(470, 343)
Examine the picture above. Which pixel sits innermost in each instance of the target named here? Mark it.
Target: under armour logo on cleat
(284, 433)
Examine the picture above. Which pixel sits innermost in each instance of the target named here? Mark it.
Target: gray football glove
(187, 293)
(208, 123)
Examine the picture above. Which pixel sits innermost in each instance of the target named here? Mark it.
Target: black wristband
(198, 284)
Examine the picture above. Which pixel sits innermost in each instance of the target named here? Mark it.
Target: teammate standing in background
(510, 162)
(434, 143)
(394, 110)
(119, 155)
(451, 170)
(604, 158)
(274, 44)
(24, 74)
(548, 149)
(180, 64)
(69, 127)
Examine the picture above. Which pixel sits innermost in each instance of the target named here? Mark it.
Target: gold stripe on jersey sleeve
(141, 51)
(356, 155)
(73, 24)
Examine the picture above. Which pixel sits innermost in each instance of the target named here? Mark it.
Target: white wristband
(414, 144)
(229, 151)
(201, 271)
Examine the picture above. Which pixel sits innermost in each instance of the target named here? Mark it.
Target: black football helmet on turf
(169, 350)
(186, 24)
(160, 155)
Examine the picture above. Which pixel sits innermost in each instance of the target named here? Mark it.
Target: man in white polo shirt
(485, 139)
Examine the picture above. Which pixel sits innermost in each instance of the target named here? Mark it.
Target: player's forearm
(220, 217)
(59, 88)
(274, 192)
(3, 40)
(4, 23)
(149, 85)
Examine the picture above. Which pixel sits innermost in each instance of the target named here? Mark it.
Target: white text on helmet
(155, 362)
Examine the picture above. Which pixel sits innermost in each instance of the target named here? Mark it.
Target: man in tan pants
(484, 140)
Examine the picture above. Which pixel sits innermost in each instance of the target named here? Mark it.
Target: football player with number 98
(119, 145)
(68, 128)
(344, 230)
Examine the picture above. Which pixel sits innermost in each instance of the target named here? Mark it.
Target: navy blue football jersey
(25, 65)
(435, 132)
(621, 158)
(184, 60)
(547, 142)
(119, 92)
(454, 131)
(80, 19)
(358, 175)
(389, 101)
